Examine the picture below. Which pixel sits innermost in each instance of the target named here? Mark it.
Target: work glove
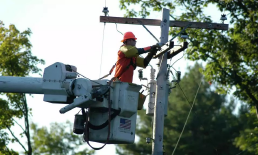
(154, 49)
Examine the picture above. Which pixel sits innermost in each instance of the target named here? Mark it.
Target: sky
(69, 31)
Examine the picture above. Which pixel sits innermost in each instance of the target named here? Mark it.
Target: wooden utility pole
(164, 23)
(158, 124)
(157, 22)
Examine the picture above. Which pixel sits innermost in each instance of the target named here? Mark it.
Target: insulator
(184, 36)
(148, 140)
(178, 76)
(152, 74)
(78, 126)
(140, 74)
(105, 11)
(223, 17)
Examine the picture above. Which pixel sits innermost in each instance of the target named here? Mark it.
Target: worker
(128, 57)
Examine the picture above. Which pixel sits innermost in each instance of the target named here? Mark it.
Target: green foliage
(57, 140)
(15, 52)
(248, 141)
(16, 57)
(6, 115)
(16, 60)
(211, 127)
(156, 5)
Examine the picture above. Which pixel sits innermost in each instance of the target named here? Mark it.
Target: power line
(102, 50)
(184, 94)
(187, 118)
(181, 88)
(178, 59)
(178, 82)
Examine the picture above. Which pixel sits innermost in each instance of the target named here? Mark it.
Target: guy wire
(187, 118)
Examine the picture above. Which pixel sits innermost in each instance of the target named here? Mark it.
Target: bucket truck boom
(60, 85)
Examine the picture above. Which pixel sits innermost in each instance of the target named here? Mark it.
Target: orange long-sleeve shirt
(128, 56)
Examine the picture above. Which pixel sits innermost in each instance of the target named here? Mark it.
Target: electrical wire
(87, 78)
(79, 111)
(174, 69)
(86, 129)
(188, 102)
(102, 49)
(117, 29)
(84, 76)
(174, 77)
(187, 118)
(177, 59)
(184, 94)
(182, 90)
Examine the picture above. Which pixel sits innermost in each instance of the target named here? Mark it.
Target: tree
(211, 127)
(6, 121)
(247, 140)
(16, 60)
(58, 140)
(231, 56)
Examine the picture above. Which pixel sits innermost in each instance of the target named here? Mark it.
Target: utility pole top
(157, 22)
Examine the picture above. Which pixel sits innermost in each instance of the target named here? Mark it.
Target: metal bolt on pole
(158, 125)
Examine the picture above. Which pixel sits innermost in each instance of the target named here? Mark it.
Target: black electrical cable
(86, 130)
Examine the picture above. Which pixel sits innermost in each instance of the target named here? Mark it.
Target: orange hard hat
(128, 35)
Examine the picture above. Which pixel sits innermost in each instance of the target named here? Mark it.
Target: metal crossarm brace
(165, 48)
(148, 30)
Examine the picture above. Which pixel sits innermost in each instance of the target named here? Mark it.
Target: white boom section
(59, 85)
(30, 85)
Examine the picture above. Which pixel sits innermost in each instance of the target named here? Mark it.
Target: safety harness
(113, 67)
